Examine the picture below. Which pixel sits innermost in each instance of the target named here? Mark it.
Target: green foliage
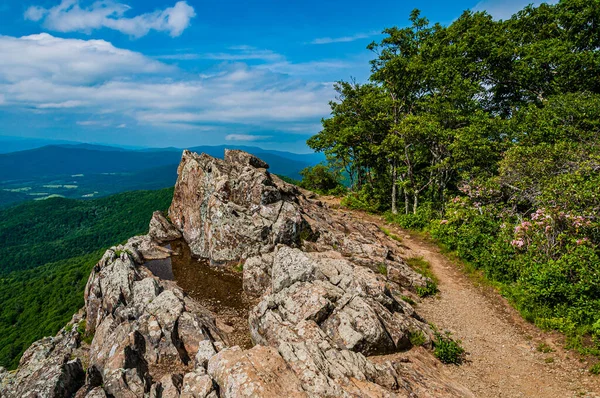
(417, 338)
(382, 269)
(486, 134)
(430, 289)
(389, 234)
(424, 268)
(361, 200)
(322, 179)
(60, 240)
(544, 348)
(38, 303)
(448, 350)
(595, 369)
(290, 180)
(416, 221)
(36, 233)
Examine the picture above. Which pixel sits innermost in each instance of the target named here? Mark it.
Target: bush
(418, 221)
(322, 180)
(448, 350)
(361, 200)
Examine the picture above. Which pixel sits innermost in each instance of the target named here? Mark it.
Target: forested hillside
(487, 134)
(47, 250)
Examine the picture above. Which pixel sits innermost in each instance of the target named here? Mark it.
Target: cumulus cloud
(504, 9)
(69, 60)
(246, 137)
(69, 16)
(90, 77)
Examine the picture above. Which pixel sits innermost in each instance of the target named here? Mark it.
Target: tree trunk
(415, 202)
(394, 179)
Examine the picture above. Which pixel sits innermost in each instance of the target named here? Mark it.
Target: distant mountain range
(76, 170)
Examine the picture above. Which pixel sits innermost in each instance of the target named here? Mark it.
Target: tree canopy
(487, 133)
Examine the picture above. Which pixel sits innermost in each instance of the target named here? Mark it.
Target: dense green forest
(48, 249)
(486, 133)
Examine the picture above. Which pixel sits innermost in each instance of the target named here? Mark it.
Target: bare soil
(503, 350)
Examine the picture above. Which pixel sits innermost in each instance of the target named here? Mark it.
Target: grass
(422, 266)
(382, 269)
(390, 235)
(239, 267)
(417, 338)
(545, 348)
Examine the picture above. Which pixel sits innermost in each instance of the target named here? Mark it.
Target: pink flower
(444, 222)
(582, 241)
(519, 243)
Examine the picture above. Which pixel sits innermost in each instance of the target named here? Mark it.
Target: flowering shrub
(548, 262)
(551, 231)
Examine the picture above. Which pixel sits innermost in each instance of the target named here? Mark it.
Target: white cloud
(69, 16)
(504, 9)
(2, 100)
(61, 105)
(246, 137)
(69, 60)
(343, 39)
(90, 78)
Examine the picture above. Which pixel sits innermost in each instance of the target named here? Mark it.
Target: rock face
(327, 304)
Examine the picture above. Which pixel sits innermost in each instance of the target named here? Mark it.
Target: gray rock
(161, 229)
(197, 385)
(206, 351)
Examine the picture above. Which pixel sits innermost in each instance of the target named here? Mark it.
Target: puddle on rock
(218, 289)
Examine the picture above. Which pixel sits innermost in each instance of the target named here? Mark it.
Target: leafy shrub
(448, 350)
(361, 200)
(418, 221)
(322, 179)
(430, 289)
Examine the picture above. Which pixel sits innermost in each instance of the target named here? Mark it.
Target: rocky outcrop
(48, 368)
(327, 304)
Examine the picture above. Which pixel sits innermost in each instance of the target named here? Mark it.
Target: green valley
(48, 249)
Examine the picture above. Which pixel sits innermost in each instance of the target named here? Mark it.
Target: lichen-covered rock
(161, 229)
(46, 370)
(232, 209)
(258, 372)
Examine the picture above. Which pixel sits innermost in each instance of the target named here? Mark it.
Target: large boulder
(232, 209)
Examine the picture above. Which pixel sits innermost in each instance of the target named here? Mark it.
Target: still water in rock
(218, 289)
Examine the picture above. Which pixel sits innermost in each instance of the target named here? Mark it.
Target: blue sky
(184, 73)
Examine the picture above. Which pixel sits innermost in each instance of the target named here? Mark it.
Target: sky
(158, 73)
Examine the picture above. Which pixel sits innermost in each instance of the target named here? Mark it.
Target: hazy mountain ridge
(75, 170)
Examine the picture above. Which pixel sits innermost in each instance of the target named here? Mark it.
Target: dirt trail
(503, 358)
